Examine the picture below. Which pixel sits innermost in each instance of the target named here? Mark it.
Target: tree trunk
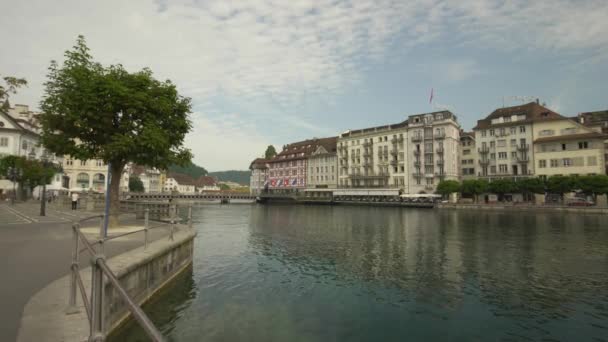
(116, 170)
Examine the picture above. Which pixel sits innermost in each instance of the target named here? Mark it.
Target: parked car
(580, 202)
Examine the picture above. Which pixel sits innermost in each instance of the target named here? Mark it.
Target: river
(352, 273)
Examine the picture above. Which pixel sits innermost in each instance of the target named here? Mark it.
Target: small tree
(32, 172)
(529, 186)
(135, 184)
(270, 152)
(502, 187)
(9, 87)
(474, 187)
(447, 187)
(96, 112)
(561, 184)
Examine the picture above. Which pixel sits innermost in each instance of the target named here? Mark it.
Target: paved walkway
(36, 250)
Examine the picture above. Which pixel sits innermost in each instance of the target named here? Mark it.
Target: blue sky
(271, 72)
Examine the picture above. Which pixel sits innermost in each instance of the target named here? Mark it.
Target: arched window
(99, 181)
(82, 180)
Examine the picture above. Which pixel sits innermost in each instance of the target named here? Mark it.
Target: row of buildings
(20, 136)
(416, 154)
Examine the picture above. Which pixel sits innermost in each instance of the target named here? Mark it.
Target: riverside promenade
(35, 250)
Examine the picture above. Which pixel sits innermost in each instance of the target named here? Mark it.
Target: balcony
(416, 152)
(429, 151)
(439, 136)
(394, 152)
(393, 162)
(366, 154)
(440, 174)
(440, 161)
(439, 150)
(484, 162)
(417, 174)
(397, 140)
(523, 159)
(371, 175)
(523, 147)
(483, 150)
(417, 163)
(429, 175)
(429, 187)
(416, 138)
(368, 143)
(428, 162)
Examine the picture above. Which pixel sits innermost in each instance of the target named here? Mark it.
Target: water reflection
(321, 273)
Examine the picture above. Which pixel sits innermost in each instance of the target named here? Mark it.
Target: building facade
(373, 157)
(504, 139)
(565, 147)
(468, 156)
(323, 167)
(433, 150)
(178, 182)
(287, 170)
(86, 175)
(259, 176)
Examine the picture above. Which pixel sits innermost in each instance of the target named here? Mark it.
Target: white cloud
(285, 52)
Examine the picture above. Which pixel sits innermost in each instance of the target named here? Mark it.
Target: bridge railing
(94, 306)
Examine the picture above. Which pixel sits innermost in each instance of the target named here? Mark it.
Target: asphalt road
(36, 250)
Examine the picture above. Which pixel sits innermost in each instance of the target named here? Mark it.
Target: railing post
(74, 268)
(96, 333)
(102, 233)
(146, 217)
(190, 216)
(172, 229)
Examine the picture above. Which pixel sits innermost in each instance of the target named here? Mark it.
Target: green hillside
(241, 177)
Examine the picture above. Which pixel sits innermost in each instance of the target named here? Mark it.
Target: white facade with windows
(322, 169)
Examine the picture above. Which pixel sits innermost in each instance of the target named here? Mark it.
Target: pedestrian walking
(74, 200)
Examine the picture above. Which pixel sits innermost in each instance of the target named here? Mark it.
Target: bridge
(223, 196)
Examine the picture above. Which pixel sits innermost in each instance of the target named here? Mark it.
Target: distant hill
(241, 177)
(191, 170)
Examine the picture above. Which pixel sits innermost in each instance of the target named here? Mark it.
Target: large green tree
(270, 152)
(474, 187)
(561, 184)
(447, 187)
(593, 185)
(502, 187)
(90, 111)
(529, 186)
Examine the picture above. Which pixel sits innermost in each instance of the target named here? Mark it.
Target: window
(99, 163)
(522, 129)
(492, 156)
(4, 141)
(567, 161)
(546, 132)
(513, 130)
(591, 161)
(502, 131)
(503, 168)
(563, 147)
(542, 163)
(483, 133)
(491, 132)
(513, 155)
(466, 152)
(492, 144)
(69, 162)
(502, 155)
(507, 119)
(501, 143)
(493, 169)
(554, 163)
(582, 145)
(83, 163)
(513, 142)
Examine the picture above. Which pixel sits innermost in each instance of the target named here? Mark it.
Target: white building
(323, 167)
(258, 180)
(181, 183)
(150, 178)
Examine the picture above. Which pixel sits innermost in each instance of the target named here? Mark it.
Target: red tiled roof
(591, 135)
(533, 111)
(303, 149)
(258, 163)
(205, 181)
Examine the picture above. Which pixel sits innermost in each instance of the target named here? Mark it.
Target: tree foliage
(94, 112)
(270, 152)
(10, 86)
(189, 169)
(502, 186)
(135, 184)
(447, 187)
(31, 172)
(474, 187)
(561, 184)
(530, 186)
(224, 187)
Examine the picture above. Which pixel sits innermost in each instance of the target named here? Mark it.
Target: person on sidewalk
(74, 200)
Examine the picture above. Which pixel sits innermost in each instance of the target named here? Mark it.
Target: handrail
(99, 268)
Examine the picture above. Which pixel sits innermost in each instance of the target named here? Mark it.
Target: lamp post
(45, 163)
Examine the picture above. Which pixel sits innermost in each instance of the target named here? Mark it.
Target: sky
(267, 72)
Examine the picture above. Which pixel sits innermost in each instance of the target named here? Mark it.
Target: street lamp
(45, 163)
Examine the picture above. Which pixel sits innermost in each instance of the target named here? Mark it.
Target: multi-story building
(504, 138)
(287, 170)
(150, 178)
(259, 176)
(181, 183)
(86, 175)
(433, 150)
(206, 183)
(598, 121)
(564, 147)
(323, 166)
(468, 155)
(364, 160)
(413, 155)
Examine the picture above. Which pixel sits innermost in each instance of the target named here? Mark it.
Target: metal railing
(94, 307)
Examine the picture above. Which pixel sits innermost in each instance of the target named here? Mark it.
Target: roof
(533, 111)
(464, 134)
(17, 123)
(303, 149)
(205, 181)
(374, 129)
(258, 163)
(590, 135)
(181, 178)
(597, 116)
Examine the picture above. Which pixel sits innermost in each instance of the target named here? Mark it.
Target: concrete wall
(145, 274)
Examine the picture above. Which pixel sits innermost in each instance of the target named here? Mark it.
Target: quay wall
(523, 207)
